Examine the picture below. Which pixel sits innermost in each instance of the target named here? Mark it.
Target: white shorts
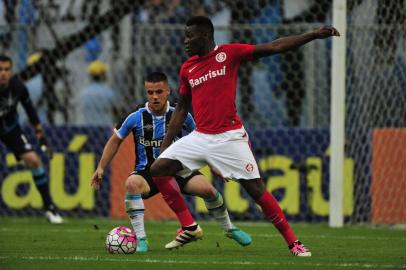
(228, 153)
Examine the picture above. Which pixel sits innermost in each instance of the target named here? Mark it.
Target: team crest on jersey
(221, 57)
(249, 167)
(148, 127)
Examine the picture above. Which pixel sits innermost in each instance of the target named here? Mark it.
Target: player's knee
(209, 191)
(134, 186)
(255, 187)
(32, 160)
(206, 192)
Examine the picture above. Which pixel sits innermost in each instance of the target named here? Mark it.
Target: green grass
(32, 243)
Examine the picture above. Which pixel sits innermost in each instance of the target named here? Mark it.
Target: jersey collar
(148, 110)
(209, 53)
(214, 49)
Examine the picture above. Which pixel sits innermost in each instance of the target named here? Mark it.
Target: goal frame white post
(337, 126)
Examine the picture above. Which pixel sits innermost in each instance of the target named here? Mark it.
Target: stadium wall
(297, 174)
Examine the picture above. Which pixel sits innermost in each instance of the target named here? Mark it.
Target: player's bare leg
(162, 172)
(273, 212)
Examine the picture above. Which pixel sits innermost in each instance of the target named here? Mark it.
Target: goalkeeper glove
(45, 148)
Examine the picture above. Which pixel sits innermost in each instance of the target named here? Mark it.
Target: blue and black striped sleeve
(189, 124)
(124, 127)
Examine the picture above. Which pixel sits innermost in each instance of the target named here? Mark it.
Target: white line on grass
(260, 235)
(348, 237)
(151, 261)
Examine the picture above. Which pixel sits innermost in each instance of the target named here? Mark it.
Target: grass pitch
(32, 243)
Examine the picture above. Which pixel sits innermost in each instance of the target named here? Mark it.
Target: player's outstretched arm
(284, 44)
(109, 151)
(177, 120)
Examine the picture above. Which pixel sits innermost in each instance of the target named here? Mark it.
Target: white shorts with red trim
(228, 153)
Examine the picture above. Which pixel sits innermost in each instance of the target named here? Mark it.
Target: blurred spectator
(306, 10)
(7, 17)
(35, 87)
(46, 90)
(177, 12)
(197, 8)
(220, 15)
(155, 11)
(27, 18)
(267, 75)
(389, 12)
(93, 49)
(162, 47)
(98, 104)
(242, 13)
(292, 66)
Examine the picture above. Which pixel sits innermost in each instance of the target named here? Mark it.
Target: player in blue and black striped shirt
(148, 125)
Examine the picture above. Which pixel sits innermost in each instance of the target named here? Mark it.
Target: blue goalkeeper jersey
(149, 130)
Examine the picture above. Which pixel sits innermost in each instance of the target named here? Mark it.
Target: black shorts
(17, 142)
(154, 189)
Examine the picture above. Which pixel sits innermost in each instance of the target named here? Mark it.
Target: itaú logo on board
(209, 75)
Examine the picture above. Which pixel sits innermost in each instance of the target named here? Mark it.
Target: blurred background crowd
(95, 66)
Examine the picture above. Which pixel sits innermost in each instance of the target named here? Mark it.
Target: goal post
(368, 116)
(337, 114)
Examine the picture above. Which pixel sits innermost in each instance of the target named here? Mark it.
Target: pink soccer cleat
(298, 249)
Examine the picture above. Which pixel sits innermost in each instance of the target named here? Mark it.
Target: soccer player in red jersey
(208, 81)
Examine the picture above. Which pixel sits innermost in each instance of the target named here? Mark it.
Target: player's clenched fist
(325, 32)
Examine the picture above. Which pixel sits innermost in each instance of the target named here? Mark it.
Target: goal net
(59, 46)
(375, 111)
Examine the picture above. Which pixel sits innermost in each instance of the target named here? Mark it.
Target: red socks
(171, 193)
(273, 212)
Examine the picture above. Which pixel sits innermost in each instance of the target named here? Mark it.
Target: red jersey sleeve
(242, 52)
(184, 87)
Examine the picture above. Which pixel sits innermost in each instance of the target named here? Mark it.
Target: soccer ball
(121, 240)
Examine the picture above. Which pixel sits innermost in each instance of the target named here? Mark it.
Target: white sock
(134, 206)
(217, 208)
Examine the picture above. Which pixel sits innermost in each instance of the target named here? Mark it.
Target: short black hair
(203, 22)
(5, 58)
(156, 76)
